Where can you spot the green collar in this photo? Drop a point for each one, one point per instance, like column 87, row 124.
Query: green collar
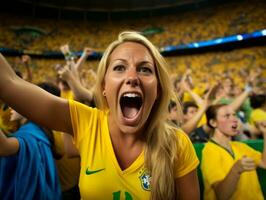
column 230, row 152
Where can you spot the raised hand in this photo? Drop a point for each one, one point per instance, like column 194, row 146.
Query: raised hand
column 245, row 164
column 210, row 95
column 65, row 73
column 25, row 59
column 87, row 51
column 65, row 49
column 184, row 86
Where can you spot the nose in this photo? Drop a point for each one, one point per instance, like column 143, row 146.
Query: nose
column 132, row 78
column 235, row 119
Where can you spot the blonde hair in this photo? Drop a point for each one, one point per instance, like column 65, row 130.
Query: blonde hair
column 161, row 143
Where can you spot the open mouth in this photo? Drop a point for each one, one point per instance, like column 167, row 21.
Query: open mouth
column 130, row 104
column 235, row 128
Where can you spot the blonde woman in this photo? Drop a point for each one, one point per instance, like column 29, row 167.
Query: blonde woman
column 127, row 149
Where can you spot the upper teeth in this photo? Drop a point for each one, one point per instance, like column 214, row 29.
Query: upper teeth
column 131, row 95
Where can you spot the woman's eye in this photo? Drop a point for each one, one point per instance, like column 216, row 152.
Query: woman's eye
column 145, row 70
column 119, row 68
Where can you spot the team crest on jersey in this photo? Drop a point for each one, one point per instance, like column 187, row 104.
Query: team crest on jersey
column 145, row 179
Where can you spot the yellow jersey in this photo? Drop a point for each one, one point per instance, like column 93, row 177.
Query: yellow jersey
column 217, row 162
column 257, row 115
column 101, row 177
column 67, row 94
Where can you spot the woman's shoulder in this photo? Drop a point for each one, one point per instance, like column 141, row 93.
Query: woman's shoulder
column 78, row 107
column 185, row 153
column 182, row 136
column 210, row 147
column 76, row 104
column 240, row 144
column 183, row 141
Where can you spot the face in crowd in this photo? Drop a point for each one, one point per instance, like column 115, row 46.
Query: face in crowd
column 133, row 84
column 130, row 86
column 224, row 120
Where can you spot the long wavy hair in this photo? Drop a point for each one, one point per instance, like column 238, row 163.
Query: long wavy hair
column 161, row 143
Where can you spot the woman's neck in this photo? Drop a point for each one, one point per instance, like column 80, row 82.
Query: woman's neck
column 127, row 146
column 127, row 138
column 222, row 139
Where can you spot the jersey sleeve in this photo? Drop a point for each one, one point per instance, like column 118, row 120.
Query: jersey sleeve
column 187, row 158
column 83, row 119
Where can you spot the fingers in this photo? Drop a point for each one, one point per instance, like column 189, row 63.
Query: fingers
column 88, row 49
column 71, row 64
column 214, row 90
column 184, row 85
column 248, row 164
column 25, row 58
column 63, row 71
column 57, row 67
column 188, row 72
column 64, row 48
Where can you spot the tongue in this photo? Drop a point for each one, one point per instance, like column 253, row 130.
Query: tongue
column 130, row 112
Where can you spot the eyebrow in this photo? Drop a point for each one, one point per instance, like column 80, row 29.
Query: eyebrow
column 141, row 62
column 146, row 62
column 116, row 60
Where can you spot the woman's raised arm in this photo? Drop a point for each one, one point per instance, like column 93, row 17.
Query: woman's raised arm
column 33, row 102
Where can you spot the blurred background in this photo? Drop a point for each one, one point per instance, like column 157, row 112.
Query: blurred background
column 208, row 37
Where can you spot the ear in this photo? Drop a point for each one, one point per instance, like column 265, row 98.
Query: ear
column 103, row 86
column 213, row 123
